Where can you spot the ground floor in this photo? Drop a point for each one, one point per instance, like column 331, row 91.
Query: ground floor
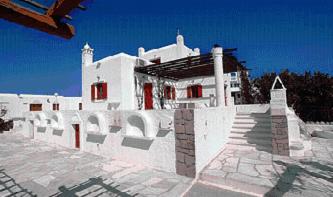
column 32, row 168
column 29, row 167
column 260, row 173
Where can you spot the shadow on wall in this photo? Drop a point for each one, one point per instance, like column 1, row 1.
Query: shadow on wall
column 96, row 138
column 106, row 189
column 135, row 126
column 292, row 173
column 9, row 185
column 41, row 129
column 139, row 143
column 260, row 135
column 58, row 132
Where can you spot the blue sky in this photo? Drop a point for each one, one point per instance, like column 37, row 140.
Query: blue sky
column 271, row 35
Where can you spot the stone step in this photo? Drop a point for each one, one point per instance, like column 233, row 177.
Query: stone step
column 259, row 135
column 251, row 125
column 251, row 120
column 262, row 142
column 252, row 117
column 251, row 129
column 250, row 147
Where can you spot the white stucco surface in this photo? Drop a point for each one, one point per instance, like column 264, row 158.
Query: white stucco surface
column 212, row 128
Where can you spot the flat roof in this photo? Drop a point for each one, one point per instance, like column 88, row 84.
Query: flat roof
column 192, row 66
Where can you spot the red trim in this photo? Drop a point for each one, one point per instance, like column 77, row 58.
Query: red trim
column 199, row 89
column 173, row 93
column 148, row 90
column 105, row 90
column 92, row 90
column 189, row 92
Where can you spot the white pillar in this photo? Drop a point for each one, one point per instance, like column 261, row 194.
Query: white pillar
column 218, row 71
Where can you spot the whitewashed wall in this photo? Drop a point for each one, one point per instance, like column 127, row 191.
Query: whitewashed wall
column 118, row 72
column 253, row 108
column 212, row 128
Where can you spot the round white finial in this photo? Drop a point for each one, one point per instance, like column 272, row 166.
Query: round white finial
column 86, row 46
column 141, row 51
column 180, row 39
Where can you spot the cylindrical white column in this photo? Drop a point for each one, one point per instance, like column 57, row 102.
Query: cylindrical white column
column 218, row 71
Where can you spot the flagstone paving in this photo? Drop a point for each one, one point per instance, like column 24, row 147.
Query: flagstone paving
column 264, row 174
column 32, row 168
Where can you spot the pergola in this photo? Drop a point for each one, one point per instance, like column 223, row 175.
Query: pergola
column 48, row 19
column 192, row 66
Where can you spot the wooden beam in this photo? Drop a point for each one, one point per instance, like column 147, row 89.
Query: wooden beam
column 62, row 7
column 17, row 14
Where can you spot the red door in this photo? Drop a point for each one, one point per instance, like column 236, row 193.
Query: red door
column 148, row 88
column 77, row 136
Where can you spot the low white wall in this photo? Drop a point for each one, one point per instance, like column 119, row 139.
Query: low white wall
column 252, row 108
column 212, row 128
column 63, row 137
column 158, row 152
column 318, row 127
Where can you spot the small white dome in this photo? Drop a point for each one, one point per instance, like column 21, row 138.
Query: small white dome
column 86, row 46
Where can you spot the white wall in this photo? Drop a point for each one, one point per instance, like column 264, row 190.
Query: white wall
column 19, row 104
column 118, row 72
column 170, row 52
column 253, row 108
column 212, row 128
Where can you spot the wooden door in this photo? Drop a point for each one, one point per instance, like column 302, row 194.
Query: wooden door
column 77, row 136
column 148, row 90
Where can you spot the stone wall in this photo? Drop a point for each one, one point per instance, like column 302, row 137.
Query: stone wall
column 185, row 142
column 280, row 141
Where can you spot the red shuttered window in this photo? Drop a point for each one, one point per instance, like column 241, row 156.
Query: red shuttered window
column 189, row 92
column 93, row 92
column 194, row 91
column 99, row 91
column 105, row 91
column 199, row 89
column 167, row 92
column 55, row 106
column 173, row 93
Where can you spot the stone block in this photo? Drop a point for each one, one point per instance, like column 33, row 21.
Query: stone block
column 189, row 127
column 180, row 168
column 179, row 129
column 180, row 157
column 188, row 115
column 189, row 160
column 190, row 171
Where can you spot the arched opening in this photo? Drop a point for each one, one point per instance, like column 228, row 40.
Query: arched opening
column 135, row 126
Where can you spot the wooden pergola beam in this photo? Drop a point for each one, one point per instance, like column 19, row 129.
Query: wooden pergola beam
column 62, row 7
column 15, row 13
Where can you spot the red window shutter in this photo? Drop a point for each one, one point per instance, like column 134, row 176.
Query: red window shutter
column 54, row 107
column 199, row 89
column 189, row 92
column 80, row 106
column 173, row 93
column 105, row 90
column 169, row 92
column 58, row 106
column 92, row 92
column 165, row 92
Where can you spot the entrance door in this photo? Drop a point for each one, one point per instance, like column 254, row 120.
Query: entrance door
column 148, row 89
column 77, row 135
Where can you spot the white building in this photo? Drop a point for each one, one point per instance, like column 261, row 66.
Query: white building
column 168, row 108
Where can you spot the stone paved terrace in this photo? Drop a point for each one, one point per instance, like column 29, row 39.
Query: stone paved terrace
column 262, row 174
column 32, row 168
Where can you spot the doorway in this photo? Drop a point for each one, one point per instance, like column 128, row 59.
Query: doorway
column 148, row 91
column 77, row 135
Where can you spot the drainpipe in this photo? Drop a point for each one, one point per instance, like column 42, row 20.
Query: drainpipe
column 218, row 71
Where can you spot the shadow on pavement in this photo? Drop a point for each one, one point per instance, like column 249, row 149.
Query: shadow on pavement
column 9, row 186
column 292, row 173
column 103, row 189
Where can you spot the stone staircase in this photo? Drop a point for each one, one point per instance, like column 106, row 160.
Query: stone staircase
column 251, row 131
